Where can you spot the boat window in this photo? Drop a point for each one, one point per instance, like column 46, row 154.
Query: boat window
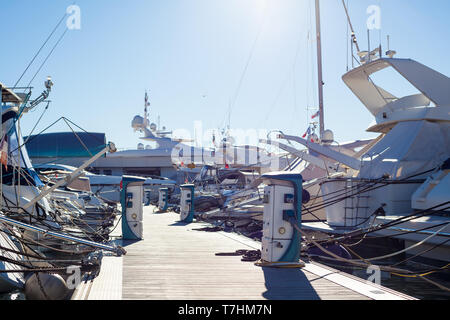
column 94, row 171
column 391, row 81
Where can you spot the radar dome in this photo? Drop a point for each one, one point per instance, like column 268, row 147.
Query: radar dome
column 328, row 137
column 140, row 146
column 138, row 123
column 153, row 127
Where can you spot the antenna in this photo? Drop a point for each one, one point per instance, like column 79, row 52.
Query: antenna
column 147, row 104
column 229, row 116
column 354, row 41
column 390, row 53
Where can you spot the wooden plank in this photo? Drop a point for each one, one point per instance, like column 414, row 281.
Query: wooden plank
column 176, row 262
column 108, row 285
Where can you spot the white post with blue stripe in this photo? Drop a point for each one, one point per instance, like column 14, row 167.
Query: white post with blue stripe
column 147, row 197
column 163, row 202
column 187, row 210
column 131, row 199
column 282, row 212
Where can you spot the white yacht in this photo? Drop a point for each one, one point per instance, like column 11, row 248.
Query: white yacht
column 8, row 281
column 105, row 186
column 313, row 165
column 396, row 185
column 159, row 156
column 399, row 184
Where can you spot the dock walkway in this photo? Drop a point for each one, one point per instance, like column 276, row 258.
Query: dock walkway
column 177, row 262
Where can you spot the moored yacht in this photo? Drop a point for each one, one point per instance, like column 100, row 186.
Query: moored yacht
column 398, row 184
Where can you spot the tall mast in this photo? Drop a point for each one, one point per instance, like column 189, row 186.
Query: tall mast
column 319, row 69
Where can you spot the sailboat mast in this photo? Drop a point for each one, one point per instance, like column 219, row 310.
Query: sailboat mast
column 319, row 69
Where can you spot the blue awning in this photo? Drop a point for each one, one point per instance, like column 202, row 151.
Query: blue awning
column 65, row 145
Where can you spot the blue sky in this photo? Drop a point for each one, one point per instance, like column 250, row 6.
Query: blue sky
column 191, row 56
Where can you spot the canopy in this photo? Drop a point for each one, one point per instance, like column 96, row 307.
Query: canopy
column 66, row 145
column 8, row 96
column 432, row 84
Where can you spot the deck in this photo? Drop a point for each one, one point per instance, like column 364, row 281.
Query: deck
column 177, row 262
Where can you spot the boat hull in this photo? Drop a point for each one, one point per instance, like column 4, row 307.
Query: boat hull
column 9, row 281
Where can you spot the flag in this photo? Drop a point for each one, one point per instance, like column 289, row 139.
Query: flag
column 306, row 133
column 315, row 115
column 4, row 152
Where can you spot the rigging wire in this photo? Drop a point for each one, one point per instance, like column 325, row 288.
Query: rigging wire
column 22, row 172
column 89, row 133
column 366, row 262
column 347, row 43
column 48, row 56
column 369, row 260
column 423, row 252
column 51, row 125
column 247, row 64
column 40, row 49
column 368, row 185
column 291, row 72
column 79, row 139
column 401, row 220
column 37, row 122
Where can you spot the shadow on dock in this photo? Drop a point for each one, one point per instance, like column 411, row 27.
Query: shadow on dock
column 179, row 224
column 159, row 212
column 288, row 284
column 125, row 243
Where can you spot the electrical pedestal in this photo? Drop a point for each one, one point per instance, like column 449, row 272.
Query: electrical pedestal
column 187, row 203
column 282, row 212
column 131, row 199
column 163, row 202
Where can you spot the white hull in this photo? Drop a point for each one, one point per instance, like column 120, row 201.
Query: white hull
column 9, row 281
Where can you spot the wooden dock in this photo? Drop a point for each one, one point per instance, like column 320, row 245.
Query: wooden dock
column 177, row 262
